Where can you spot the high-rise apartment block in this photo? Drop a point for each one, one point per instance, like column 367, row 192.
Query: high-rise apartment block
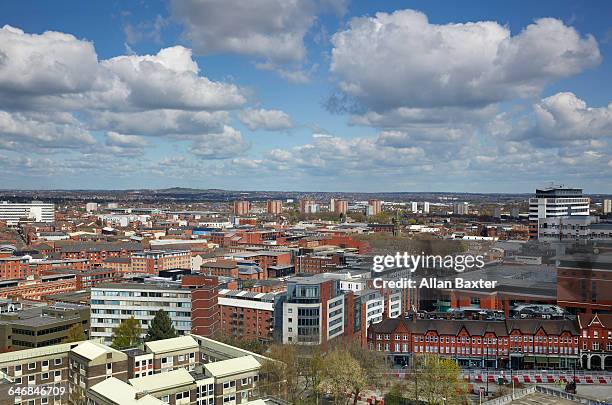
column 374, row 207
column 241, row 208
column 274, row 207
column 308, row 206
column 461, row 208
column 607, row 206
column 341, row 206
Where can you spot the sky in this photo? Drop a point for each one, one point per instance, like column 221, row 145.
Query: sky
column 306, row 95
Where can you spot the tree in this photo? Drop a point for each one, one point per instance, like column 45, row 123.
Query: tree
column 161, row 327
column 75, row 334
column 343, row 374
column 372, row 365
column 282, row 373
column 127, row 334
column 438, row 381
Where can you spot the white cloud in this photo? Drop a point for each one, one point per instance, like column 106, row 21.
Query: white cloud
column 565, row 116
column 402, row 60
column 18, row 129
column 271, row 120
column 160, row 122
column 125, row 141
column 270, row 29
column 224, row 145
column 170, row 80
column 51, row 63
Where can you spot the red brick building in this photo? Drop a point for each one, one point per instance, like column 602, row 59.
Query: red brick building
column 241, row 208
column 524, row 343
column 247, row 315
column 205, row 317
column 274, row 207
column 584, row 283
column 596, row 341
column 38, row 288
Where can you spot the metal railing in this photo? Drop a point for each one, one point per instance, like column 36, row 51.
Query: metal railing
column 568, row 396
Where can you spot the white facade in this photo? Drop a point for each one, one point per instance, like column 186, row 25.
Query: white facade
column 36, row 211
column 112, row 303
column 91, row 207
column 557, row 202
column 607, row 206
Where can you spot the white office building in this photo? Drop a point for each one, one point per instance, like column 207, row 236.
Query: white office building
column 113, row 302
column 556, row 202
column 36, row 211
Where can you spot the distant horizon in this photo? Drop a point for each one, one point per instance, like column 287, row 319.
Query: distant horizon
column 280, row 191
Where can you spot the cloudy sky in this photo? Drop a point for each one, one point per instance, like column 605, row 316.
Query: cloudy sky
column 329, row 95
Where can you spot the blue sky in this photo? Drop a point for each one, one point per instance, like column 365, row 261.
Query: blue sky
column 329, row 95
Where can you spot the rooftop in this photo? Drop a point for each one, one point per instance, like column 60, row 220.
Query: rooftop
column 162, row 381
column 122, row 393
column 173, row 344
column 229, row 367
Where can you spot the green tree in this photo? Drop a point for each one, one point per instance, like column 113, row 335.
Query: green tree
column 161, row 327
column 373, row 367
column 438, row 381
column 343, row 374
column 283, row 373
column 75, row 334
column 127, row 334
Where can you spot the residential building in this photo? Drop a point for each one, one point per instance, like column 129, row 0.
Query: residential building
column 205, row 316
column 152, row 261
column 35, row 211
column 313, row 311
column 341, row 206
column 274, row 207
column 461, row 208
column 554, row 202
column 241, row 208
column 248, row 315
column 308, row 206
column 113, row 302
column 374, row 207
column 607, row 206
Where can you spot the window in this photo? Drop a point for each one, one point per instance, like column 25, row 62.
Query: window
column 31, row 379
column 31, row 366
column 166, row 399
column 45, row 376
column 45, row 363
column 181, row 395
column 18, row 367
column 181, row 357
column 57, row 373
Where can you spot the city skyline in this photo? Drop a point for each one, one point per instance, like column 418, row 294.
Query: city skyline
column 317, row 95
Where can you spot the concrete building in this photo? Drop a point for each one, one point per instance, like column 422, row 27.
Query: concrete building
column 41, row 326
column 91, row 207
column 607, row 206
column 274, row 207
column 461, row 208
column 36, row 211
column 554, row 202
column 113, row 302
